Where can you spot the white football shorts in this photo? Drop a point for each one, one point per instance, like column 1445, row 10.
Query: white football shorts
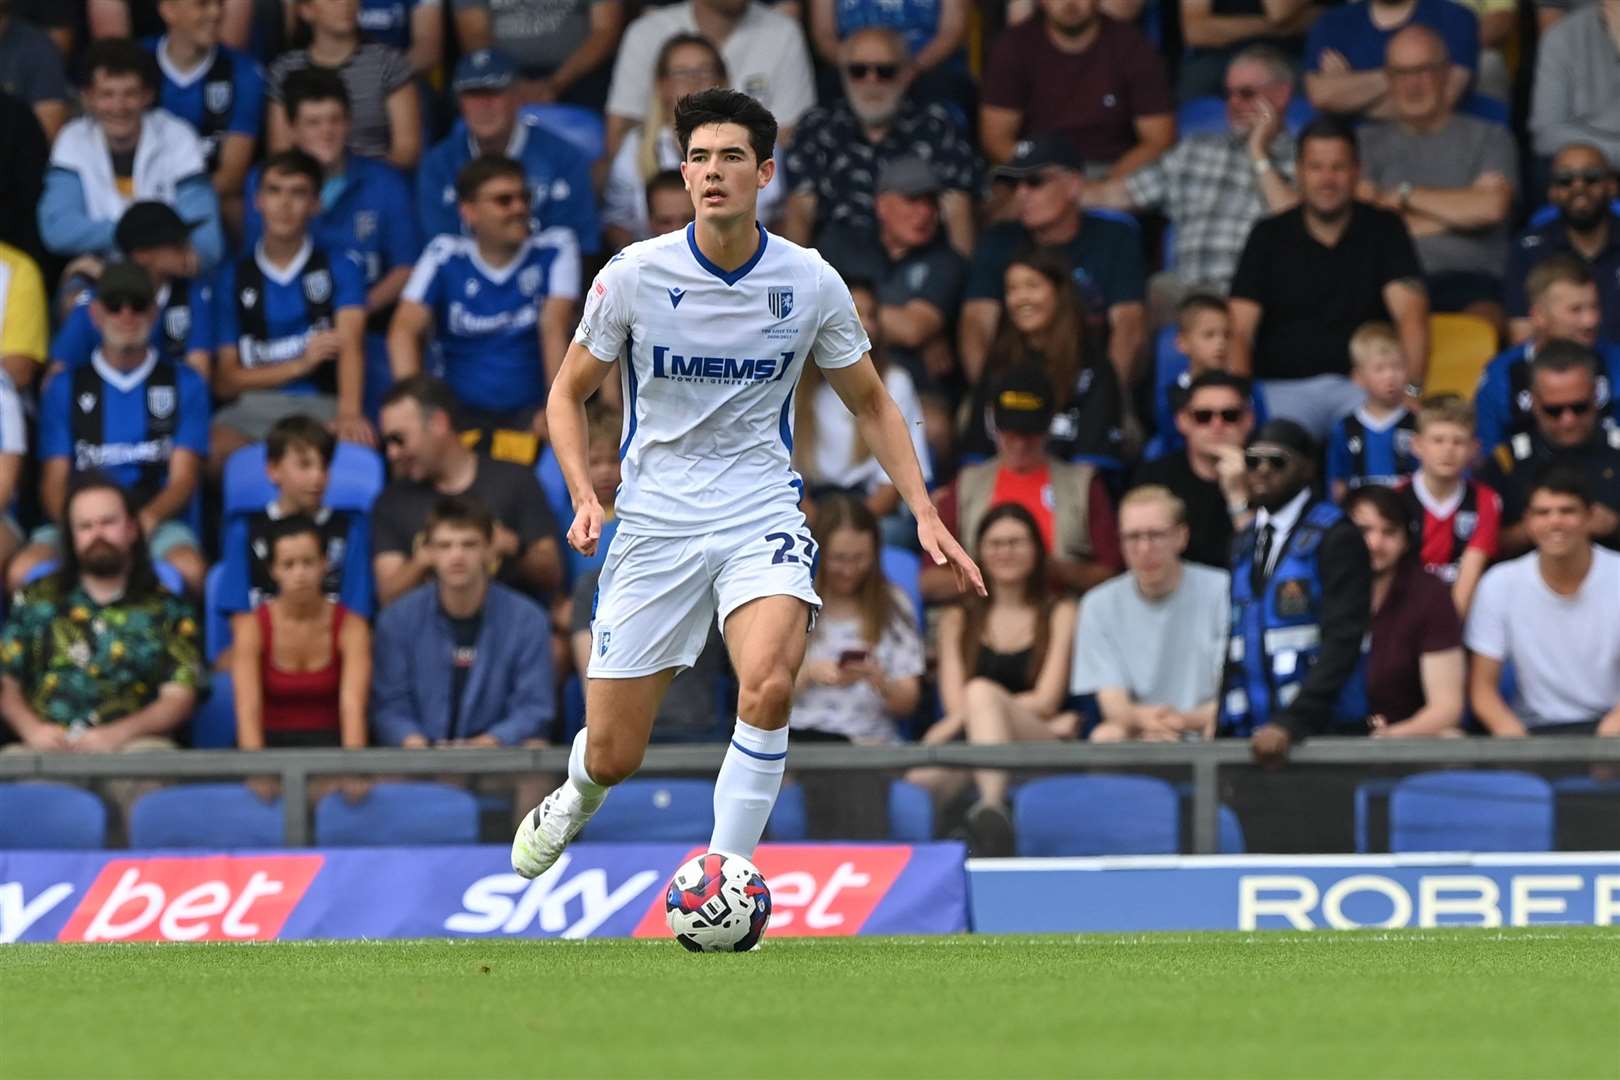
column 657, row 594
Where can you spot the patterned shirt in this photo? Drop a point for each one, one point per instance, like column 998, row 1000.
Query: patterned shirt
column 831, row 158
column 80, row 662
column 1207, row 187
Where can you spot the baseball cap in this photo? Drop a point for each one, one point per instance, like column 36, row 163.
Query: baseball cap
column 1288, row 435
column 908, row 176
column 1023, row 401
column 149, row 225
column 486, row 69
column 125, row 280
column 1041, row 152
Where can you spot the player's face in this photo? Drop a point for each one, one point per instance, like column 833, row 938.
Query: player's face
column 1569, row 311
column 196, row 20
column 1565, row 406
column 1007, row 553
column 301, row 476
column 848, row 556
column 1152, row 541
column 1582, row 186
column 1031, row 299
column 1444, row 449
column 1556, row 523
column 407, row 442
column 117, row 102
column 287, row 202
column 461, row 556
column 1214, row 417
column 297, row 565
column 103, row 534
column 722, row 173
column 499, row 212
column 1386, row 541
column 490, row 114
column 1327, row 175
column 321, row 130
column 668, row 209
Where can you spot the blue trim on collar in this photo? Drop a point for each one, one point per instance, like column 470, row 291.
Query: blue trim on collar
column 730, row 277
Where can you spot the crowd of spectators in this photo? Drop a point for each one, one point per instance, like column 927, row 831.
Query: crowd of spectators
column 1163, row 290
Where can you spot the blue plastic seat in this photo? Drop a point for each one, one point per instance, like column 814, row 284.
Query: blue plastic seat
column 1096, row 815
column 649, row 811
column 415, row 812
column 214, row 816
column 548, row 470
column 167, row 575
column 44, row 815
column 1453, row 810
column 903, row 569
column 216, row 620
column 353, row 483
column 911, row 813
column 790, row 818
column 213, row 725
column 1230, row 839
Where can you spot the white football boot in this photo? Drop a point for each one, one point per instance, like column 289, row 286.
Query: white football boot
column 549, row 828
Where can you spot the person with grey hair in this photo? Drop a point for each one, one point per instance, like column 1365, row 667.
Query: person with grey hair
column 839, row 149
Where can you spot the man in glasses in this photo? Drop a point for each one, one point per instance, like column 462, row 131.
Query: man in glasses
column 1451, row 177
column 501, row 304
column 1581, row 186
column 1301, row 588
column 1567, row 432
column 1207, row 475
column 1344, row 54
column 840, row 150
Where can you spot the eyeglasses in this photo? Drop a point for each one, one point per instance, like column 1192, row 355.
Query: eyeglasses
column 880, row 72
column 509, row 198
column 1589, row 177
column 1205, row 417
column 1574, row 408
column 1242, row 93
column 1276, row 460
column 118, row 303
column 1146, row 536
column 1418, row 69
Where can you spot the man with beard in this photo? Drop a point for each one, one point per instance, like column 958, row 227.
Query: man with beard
column 1076, row 73
column 1344, row 54
column 840, row 149
column 1308, row 277
column 1581, row 185
column 98, row 656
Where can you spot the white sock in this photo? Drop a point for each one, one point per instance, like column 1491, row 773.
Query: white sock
column 745, row 791
column 588, row 789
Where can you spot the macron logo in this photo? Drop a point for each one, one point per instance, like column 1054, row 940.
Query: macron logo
column 675, row 297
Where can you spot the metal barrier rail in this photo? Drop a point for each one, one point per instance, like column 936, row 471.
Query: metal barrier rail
column 1203, row 759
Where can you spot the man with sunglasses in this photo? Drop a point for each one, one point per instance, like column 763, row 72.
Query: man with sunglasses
column 1581, row 186
column 840, row 149
column 1301, row 588
column 500, row 303
column 1567, row 432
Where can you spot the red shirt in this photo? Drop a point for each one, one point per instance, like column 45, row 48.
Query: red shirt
column 1470, row 519
column 300, row 700
column 1033, row 491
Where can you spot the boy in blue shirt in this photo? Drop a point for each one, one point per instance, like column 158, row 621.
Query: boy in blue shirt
column 501, row 304
column 1373, row 445
column 290, row 316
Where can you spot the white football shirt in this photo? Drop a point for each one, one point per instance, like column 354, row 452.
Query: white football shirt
column 712, row 360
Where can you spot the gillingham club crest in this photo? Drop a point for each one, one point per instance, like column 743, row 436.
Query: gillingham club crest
column 779, row 298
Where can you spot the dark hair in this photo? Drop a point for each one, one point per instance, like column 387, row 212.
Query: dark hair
column 481, row 170
column 665, row 180
column 295, row 162
column 430, row 394
column 310, row 85
column 295, row 525
column 1331, row 128
column 1220, row 380
column 1037, row 592
column 1068, row 348
column 461, row 512
column 1195, row 303
column 1561, row 480
column 661, row 67
column 1559, row 356
column 875, row 596
column 719, row 106
column 120, row 56
column 299, row 430
column 1389, row 506
column 860, row 281
column 143, row 580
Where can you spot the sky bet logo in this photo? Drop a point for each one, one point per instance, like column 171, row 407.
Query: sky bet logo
column 719, row 369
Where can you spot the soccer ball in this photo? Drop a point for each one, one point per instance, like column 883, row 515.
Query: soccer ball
column 718, row 903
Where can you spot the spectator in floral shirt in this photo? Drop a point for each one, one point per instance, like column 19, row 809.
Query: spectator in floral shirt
column 98, row 656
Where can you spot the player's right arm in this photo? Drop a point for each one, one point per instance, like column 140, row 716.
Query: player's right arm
column 582, row 373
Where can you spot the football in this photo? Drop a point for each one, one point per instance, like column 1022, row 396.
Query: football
column 718, row 903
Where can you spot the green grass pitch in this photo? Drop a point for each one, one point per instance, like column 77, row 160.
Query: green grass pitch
column 1429, row 1004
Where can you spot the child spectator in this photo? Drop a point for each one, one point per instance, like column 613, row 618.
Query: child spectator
column 301, row 663
column 605, row 430
column 1456, row 518
column 298, row 459
column 1203, row 339
column 1373, row 445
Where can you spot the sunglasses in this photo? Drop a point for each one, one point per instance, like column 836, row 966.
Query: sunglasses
column 1205, row 417
column 510, row 198
column 118, row 303
column 1032, row 180
column 880, row 72
column 1589, row 177
column 1242, row 93
column 1574, row 408
column 1276, row 460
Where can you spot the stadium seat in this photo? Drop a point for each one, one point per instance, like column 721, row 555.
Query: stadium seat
column 39, row 814
column 205, row 816
column 355, row 480
column 167, row 575
column 1229, row 840
column 1459, row 348
column 216, row 621
column 911, row 813
column 670, row 811
column 903, row 569
column 405, row 813
column 1546, row 215
column 1096, row 815
column 1453, row 810
column 1366, row 792
column 581, row 126
column 1201, row 116
column 790, row 817
column 213, row 725
column 549, row 472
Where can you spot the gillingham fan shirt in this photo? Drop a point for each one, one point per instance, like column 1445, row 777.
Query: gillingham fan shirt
column 285, row 301
column 223, row 95
column 714, row 357
column 487, row 319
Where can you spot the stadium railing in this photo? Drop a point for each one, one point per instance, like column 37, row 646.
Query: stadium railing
column 1204, row 761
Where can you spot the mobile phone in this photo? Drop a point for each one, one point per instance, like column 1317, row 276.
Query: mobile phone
column 852, row 656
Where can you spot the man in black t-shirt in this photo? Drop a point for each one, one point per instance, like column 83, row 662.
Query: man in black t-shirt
column 1208, row 476
column 428, row 461
column 1308, row 277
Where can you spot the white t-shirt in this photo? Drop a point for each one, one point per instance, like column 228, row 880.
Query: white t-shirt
column 714, row 358
column 856, row 711
column 624, row 199
column 1565, row 650
column 1161, row 652
column 834, row 462
column 766, row 58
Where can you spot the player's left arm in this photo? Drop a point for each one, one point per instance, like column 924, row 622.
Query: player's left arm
column 880, row 423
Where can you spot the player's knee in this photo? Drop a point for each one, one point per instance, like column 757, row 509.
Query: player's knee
column 612, row 762
column 766, row 700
